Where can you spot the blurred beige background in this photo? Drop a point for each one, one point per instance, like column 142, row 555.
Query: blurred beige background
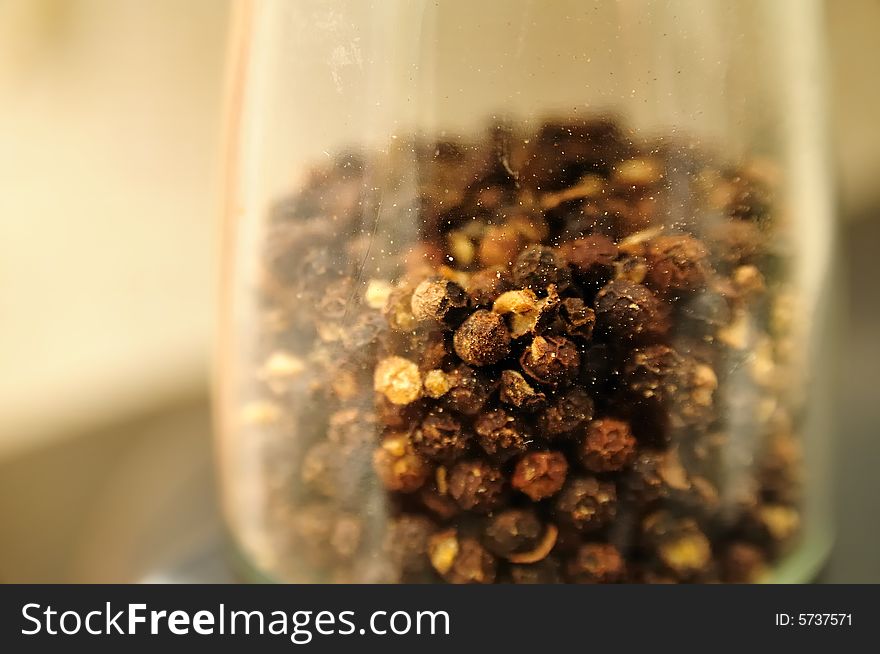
column 110, row 131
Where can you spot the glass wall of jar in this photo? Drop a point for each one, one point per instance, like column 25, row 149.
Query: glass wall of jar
column 525, row 291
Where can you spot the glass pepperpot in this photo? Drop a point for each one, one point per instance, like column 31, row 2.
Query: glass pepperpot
column 525, row 292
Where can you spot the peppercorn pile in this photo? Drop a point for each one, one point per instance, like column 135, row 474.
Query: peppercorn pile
column 554, row 356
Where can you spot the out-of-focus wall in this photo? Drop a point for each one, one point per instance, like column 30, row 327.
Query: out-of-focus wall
column 109, row 130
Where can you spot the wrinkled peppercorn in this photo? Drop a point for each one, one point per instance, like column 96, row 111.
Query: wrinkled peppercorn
column 571, row 411
column 461, row 560
column 592, row 258
column 470, row 390
column 476, row 485
column 486, row 285
column 482, row 339
column 540, row 474
column 440, row 437
column 551, row 360
column 398, row 379
column 679, row 543
column 398, row 466
column 676, row 263
column 517, row 392
column 577, row 318
column 439, row 300
column 631, row 312
column 586, row 503
column 406, row 545
column 499, row 435
column 596, row 563
column 537, row 267
column 514, row 531
column 607, row 446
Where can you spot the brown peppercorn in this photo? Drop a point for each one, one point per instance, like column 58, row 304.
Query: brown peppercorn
column 654, row 475
column 659, row 376
column 476, row 485
column 499, row 245
column 630, row 312
column 679, row 543
column 586, row 503
column 540, row 474
column 439, row 300
column 486, row 285
column 551, row 360
column 461, row 560
column 398, row 466
column 435, row 497
column 676, row 263
column 398, row 379
column 440, row 437
column 546, row 571
column 513, row 531
column 608, row 446
column 482, row 339
column 743, row 563
column 537, row 267
column 592, row 259
column 596, row 563
column 517, row 392
column 500, row 435
column 406, row 545
column 571, row 411
column 470, row 390
column 577, row 318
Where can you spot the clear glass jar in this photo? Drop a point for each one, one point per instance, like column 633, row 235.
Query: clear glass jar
column 525, row 291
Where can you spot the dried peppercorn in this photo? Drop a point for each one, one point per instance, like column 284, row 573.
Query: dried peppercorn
column 608, row 446
column 540, row 474
column 630, row 312
column 592, row 258
column 398, row 310
column 500, row 435
column 537, row 267
column 571, row 411
column 676, row 263
column 486, row 285
column 654, row 475
column 577, row 318
column 513, row 531
column 551, row 360
column 596, row 563
column 470, row 390
column 743, row 563
column 546, row 571
column 482, row 339
column 440, row 437
column 398, row 379
column 499, row 246
column 398, row 466
column 406, row 545
column 476, row 485
column 461, row 560
column 586, row 503
column 517, row 392
column 679, row 544
column 439, row 300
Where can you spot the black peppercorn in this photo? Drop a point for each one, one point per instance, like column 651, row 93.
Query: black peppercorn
column 592, row 259
column 540, row 474
column 537, row 267
column 469, row 391
column 571, row 411
column 586, row 503
column 676, row 263
column 513, row 531
column 406, row 545
column 439, row 300
column 630, row 312
column 398, row 466
column 440, row 437
column 577, row 318
column 608, row 446
column 461, row 560
column 499, row 434
column 482, row 339
column 486, row 285
column 476, row 485
column 596, row 563
column 517, row 392
column 551, row 360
